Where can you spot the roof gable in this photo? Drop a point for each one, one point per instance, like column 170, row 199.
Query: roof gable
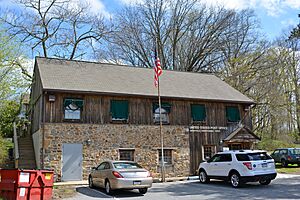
column 242, row 133
column 80, row 76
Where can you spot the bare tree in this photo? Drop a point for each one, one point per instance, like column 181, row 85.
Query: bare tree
column 55, row 28
column 189, row 36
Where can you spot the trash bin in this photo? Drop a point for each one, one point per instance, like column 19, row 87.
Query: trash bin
column 22, row 184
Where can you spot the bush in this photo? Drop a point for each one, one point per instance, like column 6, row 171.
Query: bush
column 4, row 146
column 270, row 145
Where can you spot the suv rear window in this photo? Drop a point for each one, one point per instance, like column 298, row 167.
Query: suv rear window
column 295, row 151
column 253, row 156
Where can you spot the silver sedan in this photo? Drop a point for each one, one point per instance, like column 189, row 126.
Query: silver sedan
column 113, row 175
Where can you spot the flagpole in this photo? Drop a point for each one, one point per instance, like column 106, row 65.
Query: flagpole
column 158, row 71
column 160, row 123
column 161, row 136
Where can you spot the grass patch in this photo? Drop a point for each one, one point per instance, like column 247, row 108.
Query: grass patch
column 60, row 192
column 290, row 169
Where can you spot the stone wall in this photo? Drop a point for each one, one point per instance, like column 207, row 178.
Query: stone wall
column 105, row 141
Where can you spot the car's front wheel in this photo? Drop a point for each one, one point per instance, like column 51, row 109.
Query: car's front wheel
column 143, row 190
column 203, row 177
column 235, row 180
column 265, row 181
column 107, row 187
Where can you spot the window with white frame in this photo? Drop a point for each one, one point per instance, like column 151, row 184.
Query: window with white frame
column 126, row 154
column 168, row 158
column 209, row 151
column 164, row 114
column 72, row 109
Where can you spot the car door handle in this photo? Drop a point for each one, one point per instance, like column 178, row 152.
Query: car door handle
column 228, row 164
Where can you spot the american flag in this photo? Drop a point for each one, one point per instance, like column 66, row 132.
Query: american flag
column 157, row 69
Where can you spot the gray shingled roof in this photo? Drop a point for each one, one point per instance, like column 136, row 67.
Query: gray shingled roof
column 83, row 76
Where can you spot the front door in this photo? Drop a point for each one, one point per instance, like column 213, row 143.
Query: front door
column 72, row 162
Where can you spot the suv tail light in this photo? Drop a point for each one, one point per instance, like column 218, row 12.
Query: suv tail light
column 248, row 165
column 289, row 158
column 117, row 174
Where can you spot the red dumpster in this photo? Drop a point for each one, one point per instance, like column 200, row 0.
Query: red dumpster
column 21, row 184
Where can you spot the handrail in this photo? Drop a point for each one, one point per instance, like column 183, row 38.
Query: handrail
column 16, row 146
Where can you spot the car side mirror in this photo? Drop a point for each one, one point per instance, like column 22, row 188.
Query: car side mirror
column 94, row 168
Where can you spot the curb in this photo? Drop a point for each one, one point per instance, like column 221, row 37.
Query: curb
column 155, row 180
column 158, row 180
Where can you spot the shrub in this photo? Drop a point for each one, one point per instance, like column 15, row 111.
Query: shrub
column 270, row 145
column 4, row 146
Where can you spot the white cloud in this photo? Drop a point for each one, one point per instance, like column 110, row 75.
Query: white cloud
column 232, row 4
column 272, row 7
column 295, row 4
column 129, row 2
column 289, row 22
column 96, row 6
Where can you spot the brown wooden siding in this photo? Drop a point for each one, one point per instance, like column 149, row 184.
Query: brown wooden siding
column 197, row 139
column 36, row 100
column 96, row 110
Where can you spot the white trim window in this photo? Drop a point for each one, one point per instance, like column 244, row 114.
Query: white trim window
column 208, row 151
column 72, row 109
column 126, row 154
column 168, row 156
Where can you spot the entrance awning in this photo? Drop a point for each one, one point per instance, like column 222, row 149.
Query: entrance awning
column 242, row 134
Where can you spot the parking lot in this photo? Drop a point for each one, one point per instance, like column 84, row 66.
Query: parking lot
column 283, row 187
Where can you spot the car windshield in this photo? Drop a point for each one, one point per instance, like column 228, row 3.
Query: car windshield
column 295, row 151
column 253, row 156
column 126, row 165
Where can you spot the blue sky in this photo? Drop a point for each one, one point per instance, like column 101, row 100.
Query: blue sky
column 275, row 15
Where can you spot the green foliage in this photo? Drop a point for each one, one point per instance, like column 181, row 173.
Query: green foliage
column 12, row 80
column 8, row 112
column 271, row 145
column 4, row 146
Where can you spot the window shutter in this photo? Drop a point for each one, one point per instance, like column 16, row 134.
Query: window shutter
column 233, row 114
column 119, row 109
column 198, row 112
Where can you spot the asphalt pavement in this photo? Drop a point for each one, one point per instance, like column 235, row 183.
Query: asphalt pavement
column 283, row 187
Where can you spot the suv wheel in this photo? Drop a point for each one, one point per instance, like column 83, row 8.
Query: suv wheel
column 203, row 177
column 265, row 181
column 284, row 163
column 235, row 180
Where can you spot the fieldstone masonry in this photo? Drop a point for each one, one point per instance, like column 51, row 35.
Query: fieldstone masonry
column 105, row 141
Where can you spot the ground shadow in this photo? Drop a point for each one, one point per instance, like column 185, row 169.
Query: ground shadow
column 95, row 192
column 100, row 193
column 288, row 189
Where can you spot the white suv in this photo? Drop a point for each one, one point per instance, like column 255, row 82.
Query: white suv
column 239, row 167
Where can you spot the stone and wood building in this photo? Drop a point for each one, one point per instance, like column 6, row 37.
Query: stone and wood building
column 84, row 112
